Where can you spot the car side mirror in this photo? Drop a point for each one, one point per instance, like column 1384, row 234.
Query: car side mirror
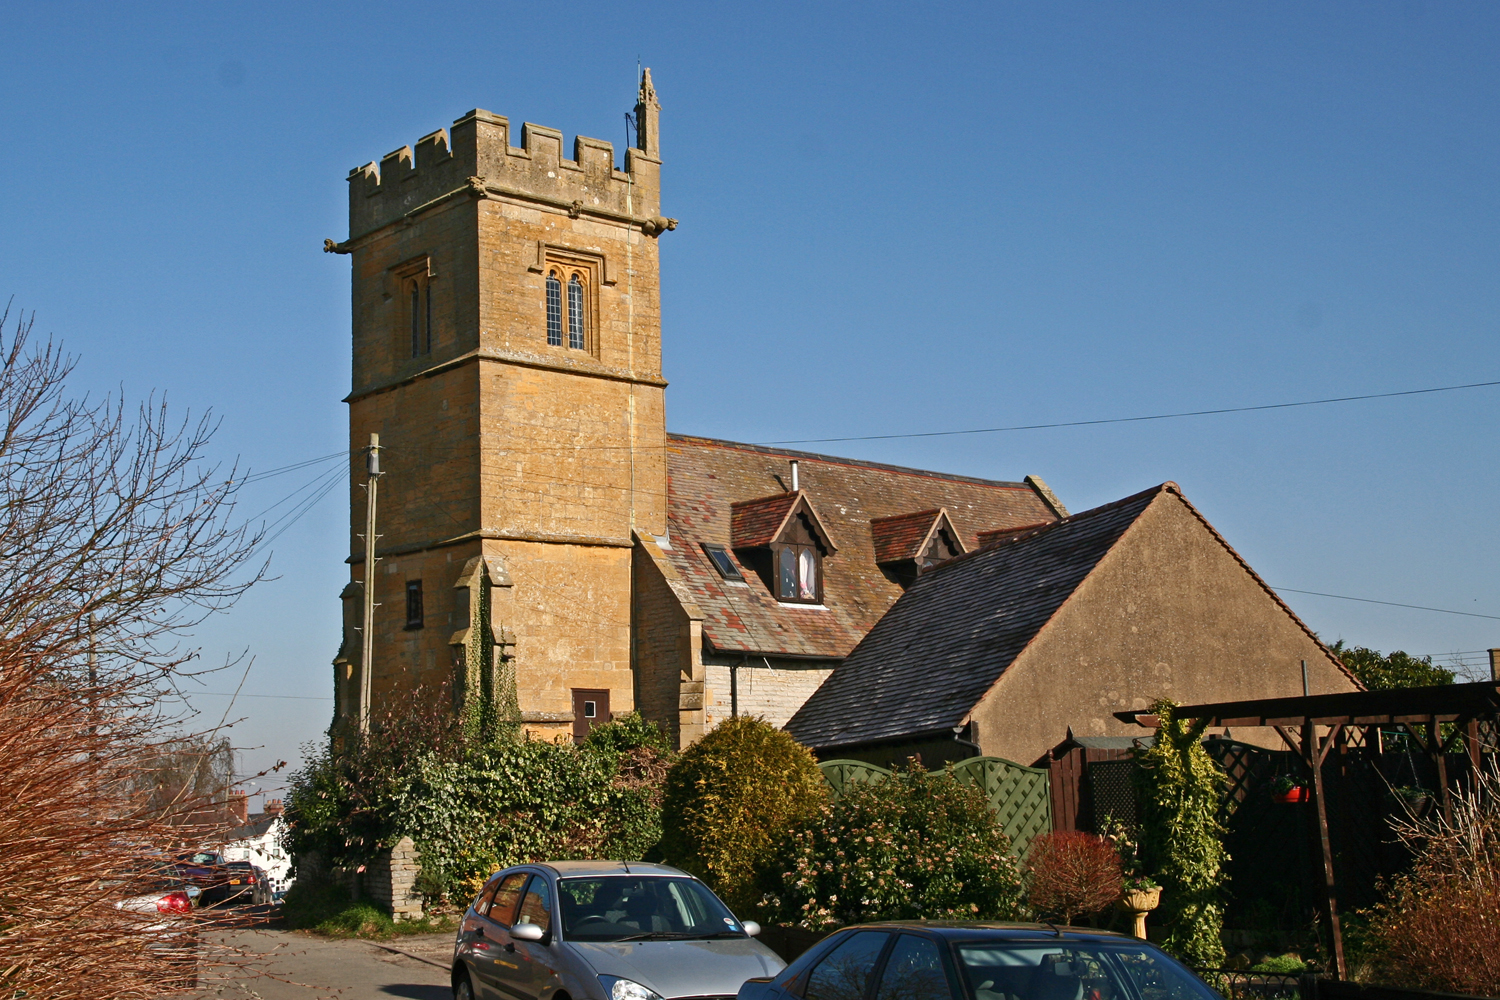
column 752, row 929
column 527, row 932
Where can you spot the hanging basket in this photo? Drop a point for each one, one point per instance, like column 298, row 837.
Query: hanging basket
column 1292, row 796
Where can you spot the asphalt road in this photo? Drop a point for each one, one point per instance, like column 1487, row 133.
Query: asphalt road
column 297, row 966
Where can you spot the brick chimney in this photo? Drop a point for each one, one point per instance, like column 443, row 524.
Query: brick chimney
column 239, row 806
column 274, row 807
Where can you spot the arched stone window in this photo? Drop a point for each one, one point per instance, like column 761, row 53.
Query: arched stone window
column 554, row 309
column 576, row 313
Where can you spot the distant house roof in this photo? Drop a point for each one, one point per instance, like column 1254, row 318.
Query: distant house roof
column 725, row 493
column 946, row 642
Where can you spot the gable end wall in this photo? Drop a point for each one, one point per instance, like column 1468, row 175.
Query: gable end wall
column 1168, row 612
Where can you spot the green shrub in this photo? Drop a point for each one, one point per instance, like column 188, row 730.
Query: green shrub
column 729, row 798
column 472, row 807
column 1285, row 965
column 911, row 846
column 1182, row 838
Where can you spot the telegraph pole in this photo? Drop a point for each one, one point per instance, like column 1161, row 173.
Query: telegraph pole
column 367, row 653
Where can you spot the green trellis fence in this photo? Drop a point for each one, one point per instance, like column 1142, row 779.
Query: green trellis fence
column 1019, row 795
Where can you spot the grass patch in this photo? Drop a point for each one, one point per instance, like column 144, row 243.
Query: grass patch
column 327, row 909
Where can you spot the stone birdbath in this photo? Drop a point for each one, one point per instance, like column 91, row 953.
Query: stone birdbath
column 1138, row 903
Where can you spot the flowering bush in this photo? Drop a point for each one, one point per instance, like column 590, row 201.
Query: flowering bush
column 1073, row 873
column 909, row 846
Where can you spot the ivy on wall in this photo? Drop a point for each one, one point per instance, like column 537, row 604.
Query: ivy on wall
column 475, row 806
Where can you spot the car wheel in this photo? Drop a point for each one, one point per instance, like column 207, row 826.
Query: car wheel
column 463, row 989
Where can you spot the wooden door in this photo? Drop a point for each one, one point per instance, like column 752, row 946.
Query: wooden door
column 590, row 709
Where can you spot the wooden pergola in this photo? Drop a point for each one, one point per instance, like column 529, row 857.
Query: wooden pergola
column 1313, row 724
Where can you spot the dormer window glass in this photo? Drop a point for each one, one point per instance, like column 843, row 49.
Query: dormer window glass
column 799, row 576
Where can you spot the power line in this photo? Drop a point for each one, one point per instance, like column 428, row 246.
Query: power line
column 283, row 470
column 1390, row 604
column 1127, row 420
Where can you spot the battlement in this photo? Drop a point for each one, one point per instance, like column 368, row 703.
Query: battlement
column 477, row 160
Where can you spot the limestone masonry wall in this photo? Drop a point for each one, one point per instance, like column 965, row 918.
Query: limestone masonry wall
column 479, row 147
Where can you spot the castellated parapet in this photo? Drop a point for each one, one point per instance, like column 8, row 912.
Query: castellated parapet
column 479, row 160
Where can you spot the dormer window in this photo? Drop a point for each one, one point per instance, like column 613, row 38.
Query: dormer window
column 784, row 541
column 907, row 544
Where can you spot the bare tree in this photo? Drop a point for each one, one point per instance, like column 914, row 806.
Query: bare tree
column 117, row 537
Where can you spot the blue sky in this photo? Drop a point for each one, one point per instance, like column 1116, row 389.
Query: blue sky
column 895, row 218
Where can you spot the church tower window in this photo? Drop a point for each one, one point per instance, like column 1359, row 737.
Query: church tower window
column 554, row 309
column 413, row 313
column 575, row 313
column 419, row 296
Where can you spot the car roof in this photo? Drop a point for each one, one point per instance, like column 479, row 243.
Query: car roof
column 956, row 930
column 570, row 869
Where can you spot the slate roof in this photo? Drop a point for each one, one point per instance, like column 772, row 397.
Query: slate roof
column 972, row 616
column 707, row 476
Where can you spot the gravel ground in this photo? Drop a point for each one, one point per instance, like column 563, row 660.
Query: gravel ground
column 299, row 966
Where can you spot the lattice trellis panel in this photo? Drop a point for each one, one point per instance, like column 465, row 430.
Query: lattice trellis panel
column 1019, row 795
column 841, row 774
column 1112, row 789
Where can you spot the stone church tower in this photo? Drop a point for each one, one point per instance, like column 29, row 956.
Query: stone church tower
column 507, row 351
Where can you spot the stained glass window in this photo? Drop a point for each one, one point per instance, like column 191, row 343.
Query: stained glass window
column 554, row 310
column 575, row 313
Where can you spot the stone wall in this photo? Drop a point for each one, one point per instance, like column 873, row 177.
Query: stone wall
column 389, row 881
column 774, row 691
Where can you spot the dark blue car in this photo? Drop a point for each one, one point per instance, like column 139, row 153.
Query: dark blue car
column 959, row 961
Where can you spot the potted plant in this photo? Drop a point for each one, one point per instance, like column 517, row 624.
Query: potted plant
column 1289, row 790
column 1413, row 800
column 1139, row 892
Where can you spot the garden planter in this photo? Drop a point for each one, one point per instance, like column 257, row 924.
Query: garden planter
column 1138, row 903
column 1292, row 796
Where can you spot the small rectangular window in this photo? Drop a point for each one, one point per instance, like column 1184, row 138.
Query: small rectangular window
column 413, row 603
column 719, row 556
column 591, row 710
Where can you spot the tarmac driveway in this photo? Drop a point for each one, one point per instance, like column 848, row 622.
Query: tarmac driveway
column 303, row 967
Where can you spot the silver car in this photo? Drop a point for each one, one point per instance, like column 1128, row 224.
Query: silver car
column 603, row 930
